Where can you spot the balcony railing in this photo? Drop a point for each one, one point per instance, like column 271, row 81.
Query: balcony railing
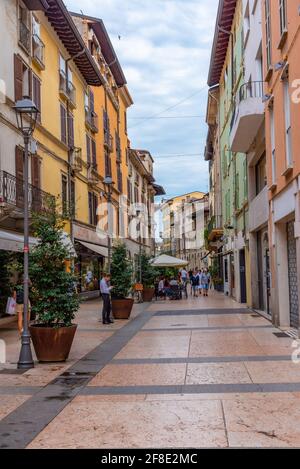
column 252, row 89
column 214, row 227
column 91, row 120
column 24, row 36
column 76, row 160
column 38, row 49
column 93, row 176
column 12, row 195
column 108, row 141
column 66, row 88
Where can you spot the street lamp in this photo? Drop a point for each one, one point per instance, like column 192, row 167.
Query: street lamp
column 108, row 183
column 26, row 114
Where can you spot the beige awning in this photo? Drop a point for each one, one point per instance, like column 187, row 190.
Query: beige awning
column 102, row 250
column 168, row 261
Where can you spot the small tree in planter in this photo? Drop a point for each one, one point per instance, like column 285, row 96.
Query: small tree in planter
column 149, row 275
column 121, row 280
column 55, row 300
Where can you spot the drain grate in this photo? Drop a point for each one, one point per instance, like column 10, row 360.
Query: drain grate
column 77, row 374
column 280, row 335
column 255, row 316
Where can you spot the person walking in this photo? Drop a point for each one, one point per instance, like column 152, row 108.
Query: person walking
column 18, row 295
column 105, row 290
column 205, row 279
column 194, row 279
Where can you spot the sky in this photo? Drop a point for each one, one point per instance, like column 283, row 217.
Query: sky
column 164, row 49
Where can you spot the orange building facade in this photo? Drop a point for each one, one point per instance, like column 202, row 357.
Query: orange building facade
column 281, row 46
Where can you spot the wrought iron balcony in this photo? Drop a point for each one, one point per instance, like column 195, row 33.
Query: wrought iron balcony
column 67, row 89
column 76, row 160
column 91, row 120
column 252, row 89
column 24, row 36
column 12, row 196
column 38, row 51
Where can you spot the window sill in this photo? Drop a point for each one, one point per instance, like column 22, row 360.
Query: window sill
column 269, row 74
column 287, row 171
column 282, row 40
column 273, row 187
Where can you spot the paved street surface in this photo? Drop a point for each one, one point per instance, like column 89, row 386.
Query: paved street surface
column 198, row 373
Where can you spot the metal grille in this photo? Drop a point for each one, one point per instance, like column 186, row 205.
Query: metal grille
column 293, row 278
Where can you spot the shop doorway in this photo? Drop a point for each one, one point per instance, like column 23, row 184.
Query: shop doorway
column 293, row 276
column 243, row 285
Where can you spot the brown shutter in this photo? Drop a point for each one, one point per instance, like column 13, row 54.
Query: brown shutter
column 92, row 101
column 63, row 127
column 70, row 130
column 18, row 66
column 30, row 82
column 35, row 171
column 36, row 94
column 94, row 156
column 88, row 149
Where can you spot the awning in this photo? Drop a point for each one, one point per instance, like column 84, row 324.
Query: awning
column 102, row 250
column 14, row 242
column 168, row 261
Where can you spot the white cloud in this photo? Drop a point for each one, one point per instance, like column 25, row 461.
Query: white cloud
column 164, row 51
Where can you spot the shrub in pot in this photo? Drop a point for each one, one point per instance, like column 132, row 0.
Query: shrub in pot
column 54, row 297
column 149, row 275
column 121, row 280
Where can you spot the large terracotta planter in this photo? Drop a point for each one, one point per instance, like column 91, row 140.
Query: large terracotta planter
column 148, row 294
column 52, row 344
column 122, row 308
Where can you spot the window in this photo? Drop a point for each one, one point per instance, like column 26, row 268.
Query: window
column 23, row 79
column 129, row 191
column 227, row 205
column 36, row 94
column 237, row 191
column 245, row 179
column 107, row 164
column 287, row 116
column 63, row 124
column 24, row 28
column 94, row 154
column 64, row 193
column 125, row 120
column 71, row 142
column 261, row 174
column 93, row 205
column 282, row 13
column 120, row 181
column 268, row 33
column 273, row 148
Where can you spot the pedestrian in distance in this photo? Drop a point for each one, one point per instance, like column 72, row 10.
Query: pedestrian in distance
column 205, row 280
column 18, row 295
column 105, row 290
column 195, row 284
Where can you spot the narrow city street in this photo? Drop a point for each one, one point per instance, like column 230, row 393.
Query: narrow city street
column 202, row 372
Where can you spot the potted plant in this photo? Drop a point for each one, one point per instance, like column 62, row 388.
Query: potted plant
column 121, row 280
column 149, row 275
column 54, row 297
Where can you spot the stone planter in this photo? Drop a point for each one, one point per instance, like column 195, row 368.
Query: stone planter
column 52, row 344
column 122, row 308
column 148, row 294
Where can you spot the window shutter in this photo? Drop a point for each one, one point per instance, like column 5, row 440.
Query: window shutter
column 36, row 95
column 35, row 171
column 92, row 101
column 63, row 127
column 18, row 70
column 30, row 75
column 88, row 149
column 19, row 163
column 70, row 130
column 94, row 156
